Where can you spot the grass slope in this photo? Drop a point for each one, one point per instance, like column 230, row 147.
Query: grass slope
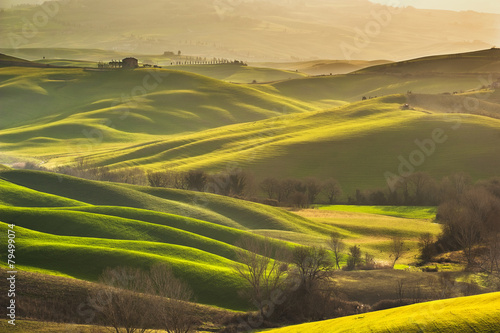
column 85, row 258
column 323, row 67
column 397, row 211
column 60, row 104
column 240, row 74
column 76, row 228
column 203, row 206
column 357, row 144
column 464, row 314
column 484, row 61
column 374, row 232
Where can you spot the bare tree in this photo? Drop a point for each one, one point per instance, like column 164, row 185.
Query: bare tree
column 466, row 220
column 313, row 264
column 179, row 181
column 286, row 188
column 263, row 274
column 332, row 190
column 270, row 186
column 337, row 247
column 400, row 290
column 119, row 304
column 172, row 308
column 196, row 180
column 299, row 200
column 421, row 188
column 313, row 189
column 135, row 301
column 158, row 179
column 454, row 186
column 397, row 249
column 238, row 182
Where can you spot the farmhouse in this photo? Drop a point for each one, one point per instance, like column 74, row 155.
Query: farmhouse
column 130, row 63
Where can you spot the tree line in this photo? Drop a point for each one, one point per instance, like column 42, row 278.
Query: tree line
column 471, row 223
column 418, row 189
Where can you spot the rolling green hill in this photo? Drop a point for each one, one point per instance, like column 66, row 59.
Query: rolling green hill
column 184, row 121
column 62, row 103
column 112, row 225
column 76, row 228
column 240, row 74
column 356, row 144
column 464, row 314
column 59, row 235
column 323, row 67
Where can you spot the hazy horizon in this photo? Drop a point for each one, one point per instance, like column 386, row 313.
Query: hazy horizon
column 254, row 30
column 481, row 6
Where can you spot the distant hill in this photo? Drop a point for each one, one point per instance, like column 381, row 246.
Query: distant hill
column 258, row 31
column 241, row 74
column 484, row 61
column 324, row 67
column 6, row 60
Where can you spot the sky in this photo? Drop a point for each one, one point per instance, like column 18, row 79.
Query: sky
column 486, row 6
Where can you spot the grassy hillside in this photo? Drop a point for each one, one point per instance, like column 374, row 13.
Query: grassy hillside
column 7, row 61
column 356, row 144
column 67, row 63
column 323, row 67
column 397, row 211
column 76, row 228
column 86, row 257
column 485, row 61
column 353, row 87
column 185, row 121
column 62, row 103
column 484, row 102
column 373, row 231
column 464, row 314
column 240, row 74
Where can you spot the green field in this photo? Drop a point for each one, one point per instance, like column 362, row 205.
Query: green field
column 397, row 211
column 374, row 231
column 464, row 314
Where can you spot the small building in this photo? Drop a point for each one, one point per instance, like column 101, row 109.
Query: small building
column 130, row 63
